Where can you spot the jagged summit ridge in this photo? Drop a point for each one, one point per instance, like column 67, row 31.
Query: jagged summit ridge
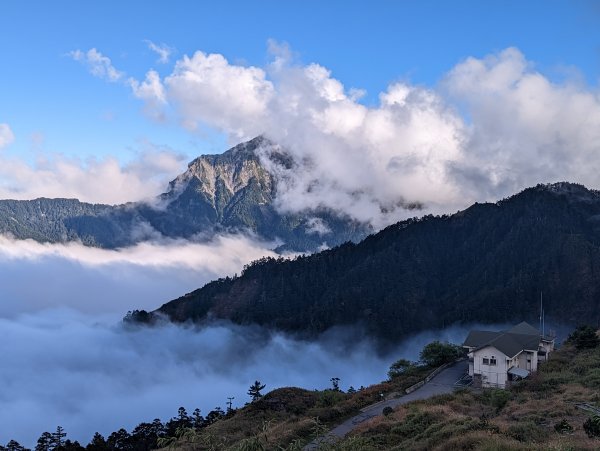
column 217, row 176
column 232, row 192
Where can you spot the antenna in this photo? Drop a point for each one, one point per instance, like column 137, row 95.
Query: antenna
column 541, row 313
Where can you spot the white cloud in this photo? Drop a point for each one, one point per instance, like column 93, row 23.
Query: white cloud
column 89, row 375
column 95, row 280
column 162, row 50
column 6, row 135
column 524, row 129
column 493, row 126
column 93, row 180
column 207, row 89
column 360, row 160
column 99, row 65
column 152, row 92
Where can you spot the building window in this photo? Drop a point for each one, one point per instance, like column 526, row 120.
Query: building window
column 486, row 361
column 493, row 361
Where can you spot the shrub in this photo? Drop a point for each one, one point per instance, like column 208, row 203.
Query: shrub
column 329, row 398
column 592, row 426
column 387, row 411
column 401, row 367
column 437, row 353
column 584, row 337
column 526, row 431
column 415, row 423
column 496, row 398
column 563, row 427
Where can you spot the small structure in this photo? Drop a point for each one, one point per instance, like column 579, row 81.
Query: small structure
column 496, row 359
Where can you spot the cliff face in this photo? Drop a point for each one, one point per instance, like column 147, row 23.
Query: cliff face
column 232, row 191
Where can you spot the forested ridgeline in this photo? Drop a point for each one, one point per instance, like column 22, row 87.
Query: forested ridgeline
column 487, row 263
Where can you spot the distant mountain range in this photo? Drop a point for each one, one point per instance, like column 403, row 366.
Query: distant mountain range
column 488, row 263
column 227, row 192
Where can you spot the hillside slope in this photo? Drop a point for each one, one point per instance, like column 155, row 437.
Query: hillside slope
column 487, row 263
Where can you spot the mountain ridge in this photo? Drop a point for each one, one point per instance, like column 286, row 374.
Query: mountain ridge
column 229, row 192
column 487, row 263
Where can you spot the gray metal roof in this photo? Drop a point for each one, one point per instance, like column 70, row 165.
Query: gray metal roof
column 524, row 329
column 522, row 373
column 509, row 342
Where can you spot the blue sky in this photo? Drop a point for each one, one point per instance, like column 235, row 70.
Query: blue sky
column 365, row 45
column 68, row 124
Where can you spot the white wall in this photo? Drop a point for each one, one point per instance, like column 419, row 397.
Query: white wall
column 491, row 375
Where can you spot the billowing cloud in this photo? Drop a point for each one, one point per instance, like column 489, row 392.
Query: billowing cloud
column 525, row 129
column 492, row 127
column 207, row 89
column 103, row 180
column 95, row 280
column 152, row 92
column 98, row 64
column 6, row 135
column 88, row 375
column 162, row 50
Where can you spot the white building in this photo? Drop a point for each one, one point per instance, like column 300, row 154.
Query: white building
column 498, row 358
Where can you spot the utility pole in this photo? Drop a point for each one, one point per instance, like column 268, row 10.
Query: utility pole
column 230, row 403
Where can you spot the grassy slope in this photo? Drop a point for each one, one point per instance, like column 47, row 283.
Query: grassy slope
column 469, row 420
column 519, row 419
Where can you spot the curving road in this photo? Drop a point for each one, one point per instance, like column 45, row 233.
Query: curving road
column 439, row 385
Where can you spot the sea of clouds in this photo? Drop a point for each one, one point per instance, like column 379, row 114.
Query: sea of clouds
column 68, row 360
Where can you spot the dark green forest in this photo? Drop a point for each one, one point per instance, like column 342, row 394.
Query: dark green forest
column 145, row 436
column 487, row 263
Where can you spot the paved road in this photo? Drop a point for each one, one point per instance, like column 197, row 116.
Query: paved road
column 440, row 384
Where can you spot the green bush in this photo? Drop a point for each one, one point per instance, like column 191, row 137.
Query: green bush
column 401, row 367
column 437, row 353
column 496, row 398
column 526, row 431
column 584, row 337
column 592, row 426
column 415, row 423
column 563, row 427
column 387, row 411
column 329, row 398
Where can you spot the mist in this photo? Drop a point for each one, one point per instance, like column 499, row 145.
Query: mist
column 68, row 359
column 35, row 276
column 88, row 373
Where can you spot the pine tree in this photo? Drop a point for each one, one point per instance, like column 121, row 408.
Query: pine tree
column 57, row 437
column 254, row 391
column 98, row 443
column 44, row 443
column 13, row 445
column 197, row 419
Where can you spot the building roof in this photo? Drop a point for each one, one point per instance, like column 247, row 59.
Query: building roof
column 522, row 373
column 524, row 329
column 518, row 338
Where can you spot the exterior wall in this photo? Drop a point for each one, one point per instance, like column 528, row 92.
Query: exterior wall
column 491, row 375
column 528, row 360
column 547, row 346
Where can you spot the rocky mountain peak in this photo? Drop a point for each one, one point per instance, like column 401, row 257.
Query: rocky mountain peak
column 226, row 174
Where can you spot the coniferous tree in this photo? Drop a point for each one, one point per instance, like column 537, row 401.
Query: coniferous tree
column 197, row 419
column 57, row 438
column 44, row 443
column 13, row 445
column 98, row 443
column 254, row 390
column 119, row 440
